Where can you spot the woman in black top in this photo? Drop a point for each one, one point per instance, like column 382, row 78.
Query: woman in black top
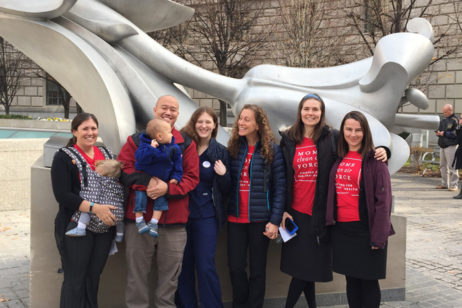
column 84, row 257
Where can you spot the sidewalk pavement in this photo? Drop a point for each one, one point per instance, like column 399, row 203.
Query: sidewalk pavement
column 434, row 241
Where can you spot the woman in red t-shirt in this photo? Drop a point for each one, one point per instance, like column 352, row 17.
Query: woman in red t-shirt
column 359, row 201
column 309, row 148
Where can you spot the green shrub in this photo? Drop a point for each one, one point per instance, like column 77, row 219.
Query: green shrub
column 15, row 116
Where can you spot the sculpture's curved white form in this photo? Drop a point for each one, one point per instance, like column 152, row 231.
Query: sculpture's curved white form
column 79, row 68
column 119, row 71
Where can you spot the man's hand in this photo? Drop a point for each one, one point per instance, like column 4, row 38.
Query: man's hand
column 156, row 188
column 439, row 133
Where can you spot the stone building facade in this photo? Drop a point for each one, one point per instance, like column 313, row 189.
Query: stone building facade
column 442, row 82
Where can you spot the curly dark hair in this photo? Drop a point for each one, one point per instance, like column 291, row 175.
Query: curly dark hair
column 190, row 127
column 265, row 134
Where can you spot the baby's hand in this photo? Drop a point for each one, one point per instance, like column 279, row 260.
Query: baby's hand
column 173, row 181
column 154, row 143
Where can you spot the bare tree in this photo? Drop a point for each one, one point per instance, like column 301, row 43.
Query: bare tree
column 11, row 73
column 63, row 96
column 373, row 19
column 223, row 33
column 306, row 41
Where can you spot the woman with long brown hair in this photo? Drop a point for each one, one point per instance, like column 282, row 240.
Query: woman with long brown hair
column 309, row 148
column 206, row 214
column 255, row 205
column 359, row 206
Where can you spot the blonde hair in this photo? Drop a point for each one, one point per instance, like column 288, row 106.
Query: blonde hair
column 110, row 167
column 156, row 126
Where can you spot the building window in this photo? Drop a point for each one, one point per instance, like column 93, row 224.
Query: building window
column 53, row 97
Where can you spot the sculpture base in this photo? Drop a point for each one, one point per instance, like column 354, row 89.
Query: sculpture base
column 45, row 283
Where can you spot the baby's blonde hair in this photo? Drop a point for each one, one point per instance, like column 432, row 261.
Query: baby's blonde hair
column 156, row 126
column 110, row 167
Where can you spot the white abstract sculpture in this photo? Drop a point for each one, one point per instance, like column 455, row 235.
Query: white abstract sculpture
column 99, row 51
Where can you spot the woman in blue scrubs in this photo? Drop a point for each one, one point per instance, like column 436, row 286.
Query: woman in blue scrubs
column 207, row 214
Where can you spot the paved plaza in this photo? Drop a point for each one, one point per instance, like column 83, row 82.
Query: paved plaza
column 434, row 241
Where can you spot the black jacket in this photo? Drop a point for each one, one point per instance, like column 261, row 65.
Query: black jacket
column 326, row 155
column 267, row 185
column 449, row 126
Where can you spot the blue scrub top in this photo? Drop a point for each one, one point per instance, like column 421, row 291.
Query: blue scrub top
column 200, row 199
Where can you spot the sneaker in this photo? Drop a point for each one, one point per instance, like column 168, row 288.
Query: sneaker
column 142, row 227
column 119, row 238
column 453, row 188
column 441, row 186
column 76, row 232
column 153, row 229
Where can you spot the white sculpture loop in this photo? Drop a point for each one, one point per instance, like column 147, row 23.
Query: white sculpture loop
column 115, row 70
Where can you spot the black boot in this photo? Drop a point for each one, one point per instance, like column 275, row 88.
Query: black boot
column 459, row 196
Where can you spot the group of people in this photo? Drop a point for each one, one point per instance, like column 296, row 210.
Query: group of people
column 184, row 187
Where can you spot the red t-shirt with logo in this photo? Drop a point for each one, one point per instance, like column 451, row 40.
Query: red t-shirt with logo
column 91, row 161
column 244, row 190
column 347, row 184
column 305, row 166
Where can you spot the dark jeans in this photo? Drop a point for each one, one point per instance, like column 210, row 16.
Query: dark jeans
column 83, row 262
column 160, row 204
column 363, row 293
column 248, row 291
column 199, row 257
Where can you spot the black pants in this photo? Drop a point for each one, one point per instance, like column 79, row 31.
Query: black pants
column 363, row 293
column 248, row 292
column 83, row 262
column 295, row 290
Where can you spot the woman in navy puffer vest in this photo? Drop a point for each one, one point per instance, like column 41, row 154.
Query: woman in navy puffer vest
column 256, row 203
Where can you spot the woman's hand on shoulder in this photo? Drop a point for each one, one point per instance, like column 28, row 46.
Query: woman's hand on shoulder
column 271, row 231
column 103, row 211
column 284, row 217
column 381, row 154
column 219, row 167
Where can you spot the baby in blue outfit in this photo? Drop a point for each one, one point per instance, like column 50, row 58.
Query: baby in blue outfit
column 159, row 156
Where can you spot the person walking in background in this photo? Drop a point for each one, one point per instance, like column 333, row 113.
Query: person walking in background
column 457, row 162
column 447, row 141
column 255, row 205
column 206, row 214
column 359, row 208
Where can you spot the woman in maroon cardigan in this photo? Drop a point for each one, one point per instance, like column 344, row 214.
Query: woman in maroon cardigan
column 359, row 203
